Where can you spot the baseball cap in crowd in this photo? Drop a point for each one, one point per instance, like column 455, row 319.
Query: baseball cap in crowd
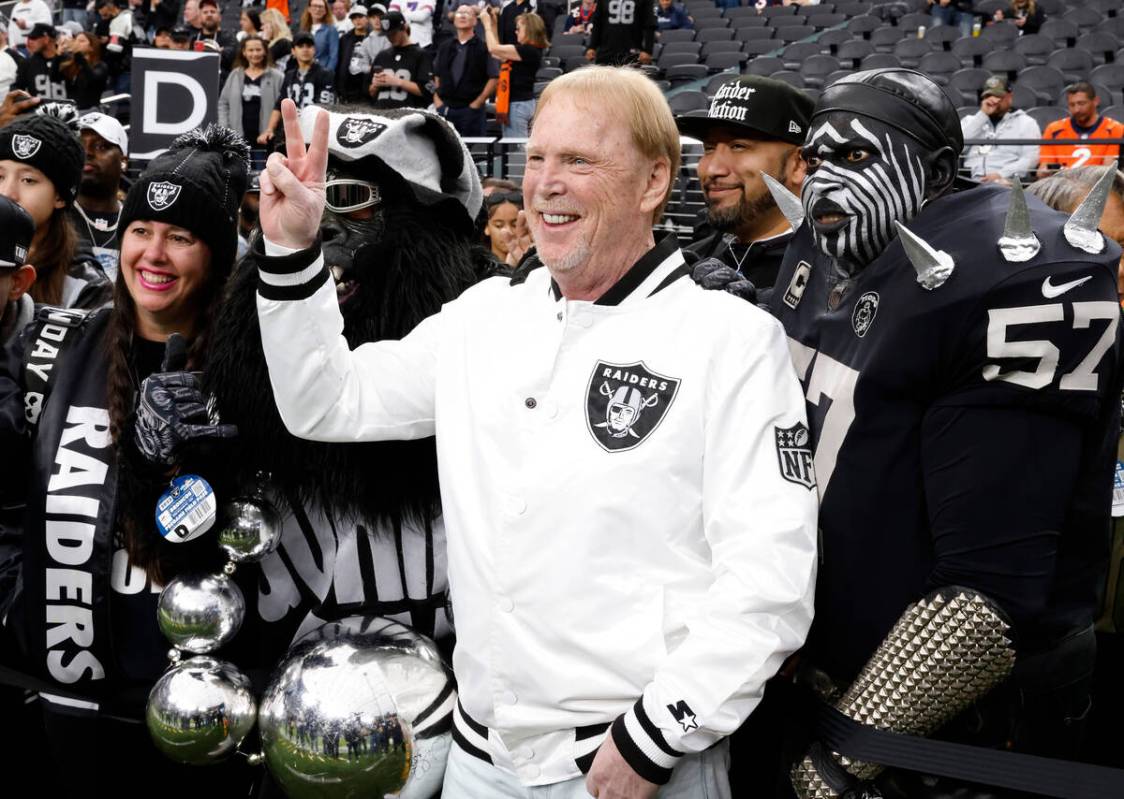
column 376, row 9
column 182, row 34
column 107, row 127
column 357, row 11
column 768, row 108
column 393, row 21
column 303, row 37
column 18, row 229
column 42, row 29
column 995, row 86
column 214, row 3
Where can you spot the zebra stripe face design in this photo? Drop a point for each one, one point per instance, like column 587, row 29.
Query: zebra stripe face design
column 862, row 176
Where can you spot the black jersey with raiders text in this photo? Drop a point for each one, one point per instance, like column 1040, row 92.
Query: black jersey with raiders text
column 314, row 87
column 963, row 435
column 410, row 63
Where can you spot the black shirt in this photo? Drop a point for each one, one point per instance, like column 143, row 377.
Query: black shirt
column 621, row 29
column 351, row 88
column 251, row 107
column 39, row 77
column 410, row 63
column 479, row 68
column 507, row 19
column 523, row 72
column 759, row 261
column 310, row 88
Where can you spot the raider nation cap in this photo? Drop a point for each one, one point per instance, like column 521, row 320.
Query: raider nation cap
column 768, row 108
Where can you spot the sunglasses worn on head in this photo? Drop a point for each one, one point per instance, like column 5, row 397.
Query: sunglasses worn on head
column 499, row 197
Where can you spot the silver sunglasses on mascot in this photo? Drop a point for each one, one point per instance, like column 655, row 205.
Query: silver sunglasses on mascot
column 344, row 195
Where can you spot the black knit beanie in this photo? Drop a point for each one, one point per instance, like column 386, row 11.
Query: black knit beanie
column 50, row 146
column 196, row 184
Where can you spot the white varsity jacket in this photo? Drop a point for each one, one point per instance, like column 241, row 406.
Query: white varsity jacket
column 627, row 491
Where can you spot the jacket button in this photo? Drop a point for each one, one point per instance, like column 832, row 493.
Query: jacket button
column 530, row 403
column 508, row 698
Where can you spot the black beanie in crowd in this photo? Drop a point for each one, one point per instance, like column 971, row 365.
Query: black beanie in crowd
column 196, row 184
column 48, row 144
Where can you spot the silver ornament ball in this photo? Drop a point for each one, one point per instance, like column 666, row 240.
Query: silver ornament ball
column 200, row 711
column 357, row 708
column 200, row 612
column 252, row 529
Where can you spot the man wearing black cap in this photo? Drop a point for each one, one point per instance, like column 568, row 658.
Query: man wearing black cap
column 353, row 67
column 960, row 355
column 307, row 84
column 38, row 75
column 401, row 76
column 16, row 276
column 754, row 126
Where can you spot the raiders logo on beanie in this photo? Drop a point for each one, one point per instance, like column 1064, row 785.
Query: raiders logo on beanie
column 196, row 184
column 48, row 144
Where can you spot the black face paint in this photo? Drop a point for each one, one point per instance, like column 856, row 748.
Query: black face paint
column 862, row 176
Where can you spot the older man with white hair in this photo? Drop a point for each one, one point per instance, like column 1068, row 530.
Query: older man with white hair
column 624, row 461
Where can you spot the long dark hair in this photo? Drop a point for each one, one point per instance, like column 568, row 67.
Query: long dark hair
column 69, row 68
column 240, row 60
column 135, row 505
column 52, row 255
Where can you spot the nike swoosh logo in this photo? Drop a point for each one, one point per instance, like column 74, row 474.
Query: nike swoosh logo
column 1049, row 290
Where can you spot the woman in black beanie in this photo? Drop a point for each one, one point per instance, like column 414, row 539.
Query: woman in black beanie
column 68, row 392
column 41, row 162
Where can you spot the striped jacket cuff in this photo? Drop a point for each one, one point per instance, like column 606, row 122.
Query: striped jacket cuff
column 643, row 746
column 295, row 276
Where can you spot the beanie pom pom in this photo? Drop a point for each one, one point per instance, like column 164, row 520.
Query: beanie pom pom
column 218, row 139
column 66, row 113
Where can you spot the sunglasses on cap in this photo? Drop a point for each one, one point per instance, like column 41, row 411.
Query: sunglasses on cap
column 344, row 195
column 500, row 197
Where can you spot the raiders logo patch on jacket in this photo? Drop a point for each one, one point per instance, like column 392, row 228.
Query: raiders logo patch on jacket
column 625, row 403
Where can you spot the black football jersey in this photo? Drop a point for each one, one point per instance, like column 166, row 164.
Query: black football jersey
column 409, row 63
column 621, row 26
column 314, row 87
column 963, row 435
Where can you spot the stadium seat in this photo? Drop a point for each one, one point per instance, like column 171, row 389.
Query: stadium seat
column 1101, row 45
column 836, row 75
column 884, row 39
column 762, row 46
column 789, row 76
column 864, row 25
column 749, row 34
column 779, row 11
column 675, row 59
column 880, row 61
column 987, row 8
column 547, row 73
column 551, row 61
column 668, row 37
column 722, row 47
column 853, row 9
column 565, row 51
column 815, row 68
column 1035, row 48
column 738, row 13
column 796, row 54
column 1111, row 76
column 1045, row 81
column 1052, row 7
column 939, row 66
column 1108, row 8
column 795, row 34
column 714, row 35
column 1004, row 32
column 966, row 111
column 854, row 51
column 833, row 38
column 971, row 51
column 821, row 21
column 1045, row 114
column 570, row 63
column 681, row 47
column 719, row 62
column 1006, row 61
column 717, row 81
column 765, row 65
column 910, row 51
column 911, row 22
column 1113, row 112
column 1106, row 95
column 788, row 22
column 539, row 86
column 1062, row 31
column 1084, row 17
column 1022, row 96
column 684, row 73
column 1075, row 64
column 964, row 85
column 749, row 22
column 701, row 11
column 683, row 102
column 943, row 36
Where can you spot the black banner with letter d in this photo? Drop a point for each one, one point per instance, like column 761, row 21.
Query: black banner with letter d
column 174, row 91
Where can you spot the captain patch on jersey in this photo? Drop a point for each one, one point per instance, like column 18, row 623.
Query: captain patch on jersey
column 625, row 402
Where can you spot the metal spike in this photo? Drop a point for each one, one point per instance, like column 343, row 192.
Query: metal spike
column 786, row 201
column 933, row 267
column 1081, row 228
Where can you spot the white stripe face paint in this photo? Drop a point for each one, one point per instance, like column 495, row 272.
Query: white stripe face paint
column 870, row 174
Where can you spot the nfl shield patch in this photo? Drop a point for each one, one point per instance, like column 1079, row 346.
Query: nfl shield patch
column 161, row 195
column 25, row 146
column 624, row 403
column 794, row 455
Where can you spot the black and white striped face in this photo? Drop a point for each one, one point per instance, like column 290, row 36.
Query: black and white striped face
column 862, row 175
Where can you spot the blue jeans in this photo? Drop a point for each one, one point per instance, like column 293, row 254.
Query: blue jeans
column 699, row 776
column 468, row 121
column 519, row 119
column 950, row 15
